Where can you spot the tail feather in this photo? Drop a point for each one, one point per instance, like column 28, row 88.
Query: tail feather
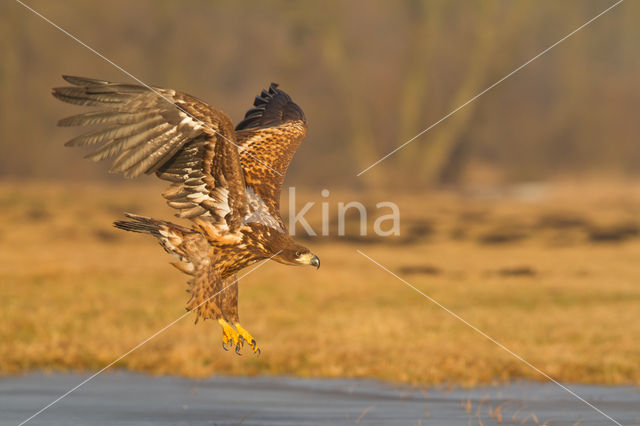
column 177, row 240
column 147, row 225
column 140, row 224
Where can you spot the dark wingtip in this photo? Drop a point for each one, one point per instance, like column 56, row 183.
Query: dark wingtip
column 56, row 92
column 73, row 79
column 271, row 107
column 83, row 81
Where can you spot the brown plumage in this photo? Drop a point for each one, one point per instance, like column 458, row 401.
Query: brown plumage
column 226, row 181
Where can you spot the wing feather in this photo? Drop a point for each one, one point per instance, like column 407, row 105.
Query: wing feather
column 268, row 138
column 178, row 137
column 115, row 132
column 105, row 117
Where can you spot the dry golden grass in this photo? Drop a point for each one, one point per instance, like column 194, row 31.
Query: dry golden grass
column 555, row 280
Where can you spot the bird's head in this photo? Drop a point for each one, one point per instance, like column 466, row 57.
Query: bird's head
column 296, row 254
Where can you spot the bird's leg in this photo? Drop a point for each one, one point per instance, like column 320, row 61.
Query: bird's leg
column 230, row 337
column 247, row 337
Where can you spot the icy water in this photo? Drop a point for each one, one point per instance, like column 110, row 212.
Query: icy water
column 131, row 399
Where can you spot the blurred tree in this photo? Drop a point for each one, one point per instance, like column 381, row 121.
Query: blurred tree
column 440, row 150
column 345, row 73
column 369, row 75
column 425, row 20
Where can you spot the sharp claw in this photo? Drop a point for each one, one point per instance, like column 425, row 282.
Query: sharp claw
column 238, row 347
column 224, row 346
column 244, row 337
column 258, row 352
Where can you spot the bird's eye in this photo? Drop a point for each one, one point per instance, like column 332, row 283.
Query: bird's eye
column 298, row 254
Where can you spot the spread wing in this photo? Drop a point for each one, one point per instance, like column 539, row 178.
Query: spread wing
column 172, row 134
column 268, row 137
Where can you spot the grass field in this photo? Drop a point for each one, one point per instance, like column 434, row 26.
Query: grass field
column 553, row 276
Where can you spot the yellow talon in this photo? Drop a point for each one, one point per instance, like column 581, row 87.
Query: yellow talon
column 244, row 334
column 230, row 337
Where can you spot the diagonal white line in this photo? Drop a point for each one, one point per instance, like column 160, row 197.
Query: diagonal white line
column 518, row 357
column 491, row 87
column 94, row 375
column 141, row 82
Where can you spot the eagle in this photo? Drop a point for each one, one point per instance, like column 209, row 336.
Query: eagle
column 226, row 181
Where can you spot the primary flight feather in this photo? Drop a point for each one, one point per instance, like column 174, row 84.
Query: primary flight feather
column 225, row 180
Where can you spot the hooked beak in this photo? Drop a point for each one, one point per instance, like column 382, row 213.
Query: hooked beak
column 309, row 259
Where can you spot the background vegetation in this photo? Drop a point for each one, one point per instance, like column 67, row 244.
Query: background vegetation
column 369, row 75
column 554, row 281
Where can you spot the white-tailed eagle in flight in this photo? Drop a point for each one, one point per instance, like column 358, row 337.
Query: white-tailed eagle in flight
column 225, row 180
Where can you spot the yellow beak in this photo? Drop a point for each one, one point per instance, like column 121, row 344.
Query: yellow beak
column 309, row 259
